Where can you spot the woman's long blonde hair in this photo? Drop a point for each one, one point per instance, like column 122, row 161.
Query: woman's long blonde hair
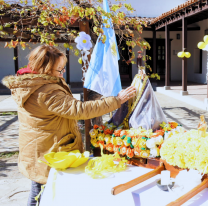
column 44, row 59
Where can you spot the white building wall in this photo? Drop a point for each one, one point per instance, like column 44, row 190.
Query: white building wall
column 176, row 63
column 6, row 61
column 193, row 38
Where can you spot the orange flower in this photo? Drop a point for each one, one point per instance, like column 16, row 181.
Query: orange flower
column 102, row 143
column 122, row 133
column 157, row 133
column 130, row 152
column 109, row 147
column 173, row 125
column 123, row 150
column 108, row 131
column 103, row 127
column 116, row 149
column 117, row 132
column 137, row 151
column 96, row 126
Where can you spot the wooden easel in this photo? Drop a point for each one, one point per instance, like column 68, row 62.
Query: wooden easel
column 174, row 171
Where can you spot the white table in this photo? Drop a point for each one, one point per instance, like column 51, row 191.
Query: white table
column 74, row 188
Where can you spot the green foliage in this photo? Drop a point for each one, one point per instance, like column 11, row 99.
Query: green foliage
column 46, row 22
column 7, row 113
column 9, row 154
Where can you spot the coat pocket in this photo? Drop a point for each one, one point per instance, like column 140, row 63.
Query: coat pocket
column 67, row 143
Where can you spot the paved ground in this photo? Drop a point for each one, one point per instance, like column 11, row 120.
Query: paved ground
column 15, row 187
column 9, row 133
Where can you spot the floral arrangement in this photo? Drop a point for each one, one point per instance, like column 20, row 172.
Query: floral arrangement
column 188, row 150
column 132, row 142
column 171, row 128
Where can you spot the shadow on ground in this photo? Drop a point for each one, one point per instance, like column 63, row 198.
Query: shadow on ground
column 184, row 116
column 6, row 167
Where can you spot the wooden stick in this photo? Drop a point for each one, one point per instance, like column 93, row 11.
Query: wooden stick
column 120, row 188
column 190, row 194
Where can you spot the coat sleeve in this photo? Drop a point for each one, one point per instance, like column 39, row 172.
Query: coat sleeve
column 65, row 105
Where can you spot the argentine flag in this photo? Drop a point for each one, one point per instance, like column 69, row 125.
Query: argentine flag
column 103, row 72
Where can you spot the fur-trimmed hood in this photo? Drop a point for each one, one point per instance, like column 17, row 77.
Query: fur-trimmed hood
column 23, row 86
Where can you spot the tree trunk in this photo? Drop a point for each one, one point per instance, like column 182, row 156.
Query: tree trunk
column 95, row 96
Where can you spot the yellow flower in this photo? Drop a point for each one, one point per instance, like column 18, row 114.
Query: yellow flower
column 101, row 136
column 186, row 150
column 145, row 153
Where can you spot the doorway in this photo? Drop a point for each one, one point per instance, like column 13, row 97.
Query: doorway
column 160, row 55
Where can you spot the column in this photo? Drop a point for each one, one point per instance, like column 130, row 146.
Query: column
column 154, row 57
column 184, row 60
column 167, row 57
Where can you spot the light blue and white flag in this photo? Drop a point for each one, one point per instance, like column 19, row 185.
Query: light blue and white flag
column 103, row 73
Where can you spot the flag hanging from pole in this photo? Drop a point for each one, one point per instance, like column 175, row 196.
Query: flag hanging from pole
column 103, row 72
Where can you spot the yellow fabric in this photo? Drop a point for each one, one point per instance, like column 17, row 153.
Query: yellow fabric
column 47, row 114
column 100, row 167
column 64, row 160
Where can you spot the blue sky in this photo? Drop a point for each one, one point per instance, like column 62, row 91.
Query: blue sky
column 144, row 8
column 152, row 8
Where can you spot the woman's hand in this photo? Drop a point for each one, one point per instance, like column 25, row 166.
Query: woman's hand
column 126, row 94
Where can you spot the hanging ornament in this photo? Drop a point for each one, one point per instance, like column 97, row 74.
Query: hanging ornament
column 183, row 54
column 83, row 44
column 187, row 54
column 201, row 45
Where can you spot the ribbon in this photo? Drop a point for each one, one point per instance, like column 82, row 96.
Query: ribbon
column 54, row 183
column 100, row 167
column 38, row 196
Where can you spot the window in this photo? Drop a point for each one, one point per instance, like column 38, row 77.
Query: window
column 161, row 52
column 197, row 61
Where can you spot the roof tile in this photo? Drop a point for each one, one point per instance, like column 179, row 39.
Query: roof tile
column 179, row 7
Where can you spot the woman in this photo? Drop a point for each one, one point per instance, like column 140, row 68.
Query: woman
column 48, row 113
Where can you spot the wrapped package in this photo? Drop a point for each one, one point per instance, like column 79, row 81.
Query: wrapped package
column 141, row 111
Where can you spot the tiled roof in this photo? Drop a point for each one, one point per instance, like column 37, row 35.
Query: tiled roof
column 147, row 19
column 178, row 8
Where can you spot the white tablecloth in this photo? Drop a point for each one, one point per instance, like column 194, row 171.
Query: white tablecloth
column 74, row 188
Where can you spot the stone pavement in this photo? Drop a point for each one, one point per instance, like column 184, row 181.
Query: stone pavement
column 197, row 95
column 15, row 187
column 8, row 105
column 9, row 126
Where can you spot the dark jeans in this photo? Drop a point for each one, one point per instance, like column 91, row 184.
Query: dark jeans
column 35, row 190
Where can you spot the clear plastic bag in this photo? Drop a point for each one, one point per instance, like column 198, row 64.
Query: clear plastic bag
column 147, row 113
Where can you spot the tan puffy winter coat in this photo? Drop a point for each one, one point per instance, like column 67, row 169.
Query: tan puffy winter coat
column 48, row 116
